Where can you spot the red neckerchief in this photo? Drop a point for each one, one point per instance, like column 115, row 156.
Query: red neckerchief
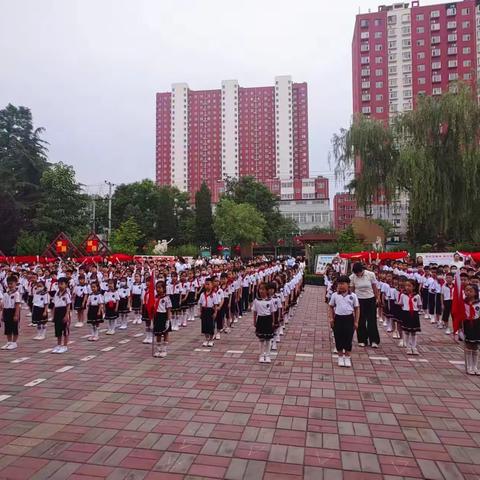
column 471, row 311
column 206, row 297
column 411, row 307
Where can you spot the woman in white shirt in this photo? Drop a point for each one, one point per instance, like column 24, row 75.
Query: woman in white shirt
column 364, row 284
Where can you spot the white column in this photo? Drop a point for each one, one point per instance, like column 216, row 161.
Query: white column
column 230, row 109
column 179, row 140
column 283, row 127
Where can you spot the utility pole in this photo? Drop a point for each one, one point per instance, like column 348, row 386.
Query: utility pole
column 93, row 214
column 110, row 185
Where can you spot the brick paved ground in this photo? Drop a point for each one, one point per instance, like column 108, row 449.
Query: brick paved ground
column 120, row 414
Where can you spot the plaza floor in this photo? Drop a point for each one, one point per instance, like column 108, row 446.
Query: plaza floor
column 108, row 410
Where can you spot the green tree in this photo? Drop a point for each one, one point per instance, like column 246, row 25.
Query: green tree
column 238, row 223
column 248, row 190
column 22, row 163
column 204, row 234
column 31, row 243
column 64, row 206
column 126, row 238
column 432, row 153
column 347, row 241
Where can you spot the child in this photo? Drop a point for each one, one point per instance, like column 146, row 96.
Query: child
column 344, row 316
column 207, row 312
column 184, row 291
column 40, row 310
column 447, row 296
column 192, row 295
column 471, row 329
column 161, row 324
column 61, row 315
column 145, row 314
column 276, row 312
column 95, row 305
column 11, row 313
column 137, row 289
column 124, row 302
column 263, row 321
column 80, row 295
column 410, row 303
column 110, row 298
column 174, row 290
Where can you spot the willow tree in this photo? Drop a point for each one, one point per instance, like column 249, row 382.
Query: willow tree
column 432, row 153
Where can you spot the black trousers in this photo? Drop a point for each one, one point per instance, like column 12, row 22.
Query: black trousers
column 343, row 332
column 367, row 324
column 245, row 298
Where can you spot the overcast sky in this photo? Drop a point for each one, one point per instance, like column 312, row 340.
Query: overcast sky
column 89, row 69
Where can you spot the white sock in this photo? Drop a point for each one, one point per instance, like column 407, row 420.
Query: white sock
column 262, row 347
column 413, row 340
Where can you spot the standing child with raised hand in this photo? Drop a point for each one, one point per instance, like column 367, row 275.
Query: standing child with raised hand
column 40, row 310
column 11, row 313
column 62, row 302
column 344, row 316
column 95, row 308
column 80, row 295
column 471, row 329
column 111, row 298
column 207, row 312
column 410, row 303
column 263, row 321
column 161, row 323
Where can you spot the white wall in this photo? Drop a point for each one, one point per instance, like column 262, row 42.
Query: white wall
column 230, row 145
column 284, row 126
column 179, row 132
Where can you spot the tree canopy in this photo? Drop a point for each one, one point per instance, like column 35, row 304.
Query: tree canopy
column 432, row 154
column 238, row 223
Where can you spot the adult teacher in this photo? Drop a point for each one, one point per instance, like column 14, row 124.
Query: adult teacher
column 364, row 283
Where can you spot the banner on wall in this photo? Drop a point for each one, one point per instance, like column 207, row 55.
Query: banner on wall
column 440, row 258
column 321, row 262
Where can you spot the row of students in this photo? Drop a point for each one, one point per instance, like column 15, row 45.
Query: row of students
column 404, row 298
column 112, row 303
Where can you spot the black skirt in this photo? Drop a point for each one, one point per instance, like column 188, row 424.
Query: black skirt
column 78, row 304
column 161, row 324
column 175, row 299
column 110, row 312
column 208, row 324
column 136, row 302
column 471, row 329
column 38, row 317
column 123, row 305
column 264, row 327
column 410, row 321
column 93, row 315
column 191, row 299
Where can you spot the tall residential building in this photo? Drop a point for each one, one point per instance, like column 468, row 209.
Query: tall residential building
column 344, row 209
column 212, row 135
column 406, row 50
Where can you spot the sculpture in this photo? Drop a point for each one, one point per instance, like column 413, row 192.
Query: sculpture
column 161, row 247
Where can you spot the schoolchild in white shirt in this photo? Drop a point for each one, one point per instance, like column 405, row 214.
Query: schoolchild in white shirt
column 344, row 316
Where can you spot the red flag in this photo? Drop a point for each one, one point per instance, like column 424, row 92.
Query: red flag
column 150, row 303
column 458, row 304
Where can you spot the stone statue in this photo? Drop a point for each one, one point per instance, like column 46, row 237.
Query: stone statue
column 378, row 245
column 161, row 247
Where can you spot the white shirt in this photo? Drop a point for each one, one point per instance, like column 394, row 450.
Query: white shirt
column 10, row 299
column 62, row 299
column 405, row 303
column 447, row 292
column 263, row 307
column 207, row 300
column 344, row 304
column 40, row 299
column 164, row 303
column 364, row 284
column 95, row 299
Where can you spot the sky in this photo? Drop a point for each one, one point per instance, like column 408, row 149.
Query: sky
column 89, row 69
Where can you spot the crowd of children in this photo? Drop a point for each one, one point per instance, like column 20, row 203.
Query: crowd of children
column 60, row 292
column 409, row 293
